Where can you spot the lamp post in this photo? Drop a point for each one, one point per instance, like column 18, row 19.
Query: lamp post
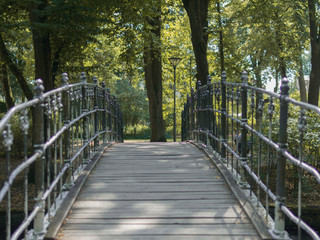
column 174, row 61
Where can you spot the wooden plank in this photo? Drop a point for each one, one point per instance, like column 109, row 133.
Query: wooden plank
column 156, row 191
column 154, row 237
column 204, row 204
column 158, row 221
column 140, row 230
column 152, row 196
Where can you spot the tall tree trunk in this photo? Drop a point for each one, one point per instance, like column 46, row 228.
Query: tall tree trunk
column 5, row 56
column 41, row 43
column 198, row 18
column 153, row 77
column 313, row 94
column 302, row 84
column 276, row 87
column 221, row 45
column 282, row 64
column 6, row 89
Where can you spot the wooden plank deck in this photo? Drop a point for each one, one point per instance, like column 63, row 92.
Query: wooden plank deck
column 156, row 191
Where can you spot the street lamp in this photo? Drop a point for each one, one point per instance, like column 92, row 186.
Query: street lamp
column 174, row 61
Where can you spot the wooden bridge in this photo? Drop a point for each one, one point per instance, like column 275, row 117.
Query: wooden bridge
column 226, row 180
column 157, row 191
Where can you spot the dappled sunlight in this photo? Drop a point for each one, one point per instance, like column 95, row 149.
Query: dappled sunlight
column 148, row 190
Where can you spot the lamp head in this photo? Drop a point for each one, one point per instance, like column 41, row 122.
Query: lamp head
column 174, row 61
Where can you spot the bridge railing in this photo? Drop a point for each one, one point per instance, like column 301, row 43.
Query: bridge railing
column 269, row 141
column 52, row 137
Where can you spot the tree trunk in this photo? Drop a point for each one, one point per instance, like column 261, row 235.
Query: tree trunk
column 6, row 89
column 198, row 18
column 313, row 94
column 5, row 56
column 221, row 45
column 282, row 64
column 153, row 77
column 41, row 43
column 276, row 87
column 302, row 84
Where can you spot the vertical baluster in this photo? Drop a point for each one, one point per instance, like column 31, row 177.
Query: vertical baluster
column 270, row 114
column 216, row 127
column 232, row 126
column 227, row 122
column 24, row 126
column 223, row 115
column 60, row 105
column 55, row 145
column 104, row 113
column 211, row 113
column 114, row 118
column 95, row 108
column 219, row 118
column 48, row 114
column 85, row 120
column 66, row 136
column 260, row 116
column 192, row 114
column 302, row 126
column 109, row 113
column 252, row 105
column 7, row 142
column 38, row 134
column 198, row 110
column 73, row 164
column 244, row 79
column 238, row 127
column 281, row 161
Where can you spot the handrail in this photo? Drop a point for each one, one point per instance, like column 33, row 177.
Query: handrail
column 67, row 125
column 247, row 127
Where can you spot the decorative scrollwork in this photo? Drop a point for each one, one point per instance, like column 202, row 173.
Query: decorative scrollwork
column 252, row 99
column 302, row 121
column 71, row 92
column 261, row 103
column 7, row 136
column 54, row 104
column 48, row 109
column 60, row 105
column 271, row 107
column 238, row 95
column 24, row 122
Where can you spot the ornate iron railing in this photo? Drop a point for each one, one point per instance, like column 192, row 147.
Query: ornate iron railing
column 261, row 136
column 57, row 134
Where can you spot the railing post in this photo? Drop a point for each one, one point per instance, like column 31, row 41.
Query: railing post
column 244, row 105
column 85, row 130
column 223, row 116
column 114, row 112
column 198, row 110
column 104, row 105
column 192, row 114
column 109, row 115
column 95, row 107
column 281, row 161
column 38, row 140
column 187, row 118
column 66, row 136
column 208, row 110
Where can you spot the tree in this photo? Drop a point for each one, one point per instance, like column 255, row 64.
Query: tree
column 4, row 80
column 153, row 74
column 39, row 11
column 198, row 17
column 313, row 94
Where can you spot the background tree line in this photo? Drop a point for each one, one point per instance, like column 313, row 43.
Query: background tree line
column 131, row 41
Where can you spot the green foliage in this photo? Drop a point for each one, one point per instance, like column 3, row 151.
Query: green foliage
column 133, row 103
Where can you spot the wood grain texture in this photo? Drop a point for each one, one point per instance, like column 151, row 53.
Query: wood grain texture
column 156, row 191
